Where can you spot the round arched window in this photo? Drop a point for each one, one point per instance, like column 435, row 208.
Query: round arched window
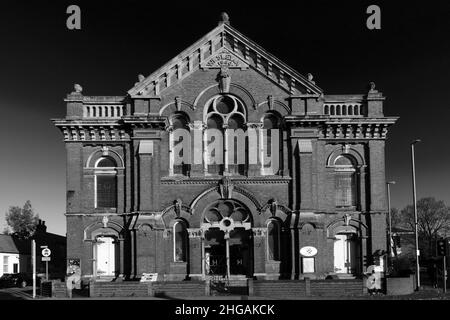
column 227, row 108
column 106, row 183
column 345, row 181
column 227, row 112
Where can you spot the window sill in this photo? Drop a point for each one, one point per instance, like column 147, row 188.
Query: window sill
column 349, row 208
column 105, row 210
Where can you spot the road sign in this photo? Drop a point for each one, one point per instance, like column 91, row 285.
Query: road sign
column 46, row 258
column 308, row 251
column 46, row 252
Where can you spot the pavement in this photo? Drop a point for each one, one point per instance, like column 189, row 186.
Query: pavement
column 426, row 293
column 16, row 293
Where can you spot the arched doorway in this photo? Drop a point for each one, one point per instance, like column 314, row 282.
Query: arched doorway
column 227, row 244
column 105, row 256
column 349, row 245
column 346, row 257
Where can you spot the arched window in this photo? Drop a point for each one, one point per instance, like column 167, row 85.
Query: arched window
column 105, row 183
column 227, row 112
column 272, row 147
column 273, row 240
column 180, row 242
column 345, row 181
column 180, row 121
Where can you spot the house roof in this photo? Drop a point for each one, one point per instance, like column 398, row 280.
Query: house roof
column 7, row 244
column 224, row 36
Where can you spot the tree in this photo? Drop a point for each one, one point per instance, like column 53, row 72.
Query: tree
column 396, row 218
column 433, row 219
column 22, row 221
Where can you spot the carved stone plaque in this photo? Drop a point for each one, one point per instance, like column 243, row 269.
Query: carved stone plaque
column 224, row 58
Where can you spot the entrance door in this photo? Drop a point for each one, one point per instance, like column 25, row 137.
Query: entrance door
column 239, row 252
column 105, row 256
column 215, row 253
column 235, row 260
column 345, row 253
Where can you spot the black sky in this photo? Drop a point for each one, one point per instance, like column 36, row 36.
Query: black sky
column 40, row 60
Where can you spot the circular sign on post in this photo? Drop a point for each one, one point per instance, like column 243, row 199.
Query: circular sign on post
column 308, row 251
column 46, row 252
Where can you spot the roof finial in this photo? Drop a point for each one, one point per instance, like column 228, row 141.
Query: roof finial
column 77, row 88
column 224, row 18
column 372, row 87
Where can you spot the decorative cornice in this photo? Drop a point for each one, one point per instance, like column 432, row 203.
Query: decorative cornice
column 92, row 133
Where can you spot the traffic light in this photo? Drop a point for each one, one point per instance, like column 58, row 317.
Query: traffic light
column 442, row 247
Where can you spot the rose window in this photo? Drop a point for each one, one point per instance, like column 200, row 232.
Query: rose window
column 228, row 211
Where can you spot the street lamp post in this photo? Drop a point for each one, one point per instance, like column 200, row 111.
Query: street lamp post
column 415, row 213
column 390, row 225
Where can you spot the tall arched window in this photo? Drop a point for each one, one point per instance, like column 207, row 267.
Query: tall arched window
column 105, row 183
column 180, row 121
column 273, row 143
column 273, row 240
column 180, row 242
column 227, row 112
column 345, row 181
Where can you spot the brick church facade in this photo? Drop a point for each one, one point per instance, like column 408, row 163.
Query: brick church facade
column 225, row 162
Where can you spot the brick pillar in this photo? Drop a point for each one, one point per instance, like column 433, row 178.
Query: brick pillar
column 294, row 173
column 378, row 201
column 145, row 185
column 120, row 191
column 285, row 163
column 149, row 175
column 362, row 188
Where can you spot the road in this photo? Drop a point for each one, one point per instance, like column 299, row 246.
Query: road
column 16, row 293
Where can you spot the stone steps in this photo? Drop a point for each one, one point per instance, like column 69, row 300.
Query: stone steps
column 293, row 289
column 282, row 289
column 178, row 289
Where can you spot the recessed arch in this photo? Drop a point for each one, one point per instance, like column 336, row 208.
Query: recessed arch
column 235, row 90
column 101, row 152
column 98, row 228
column 349, row 151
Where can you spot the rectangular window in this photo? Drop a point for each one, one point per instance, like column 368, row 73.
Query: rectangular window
column 345, row 189
column 5, row 264
column 106, row 191
column 308, row 265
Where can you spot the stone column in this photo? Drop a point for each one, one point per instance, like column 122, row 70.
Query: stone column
column 205, row 151
column 225, row 153
column 171, row 155
column 122, row 257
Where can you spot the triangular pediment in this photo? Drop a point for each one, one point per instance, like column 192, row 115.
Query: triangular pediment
column 224, row 46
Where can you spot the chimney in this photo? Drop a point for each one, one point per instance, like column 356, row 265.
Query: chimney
column 41, row 227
